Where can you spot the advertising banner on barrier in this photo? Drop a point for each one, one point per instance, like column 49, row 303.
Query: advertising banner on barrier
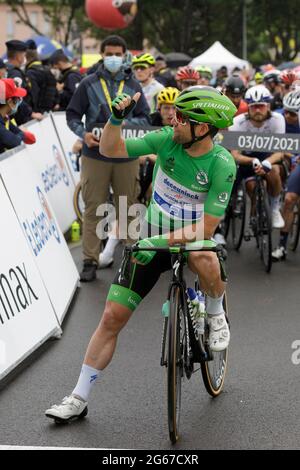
column 40, row 226
column 67, row 139
column 27, row 317
column 55, row 177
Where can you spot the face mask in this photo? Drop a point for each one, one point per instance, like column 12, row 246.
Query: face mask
column 15, row 108
column 113, row 63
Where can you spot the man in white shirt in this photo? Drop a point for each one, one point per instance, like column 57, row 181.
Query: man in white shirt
column 260, row 118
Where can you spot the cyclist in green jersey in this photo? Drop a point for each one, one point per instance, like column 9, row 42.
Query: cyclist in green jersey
column 192, row 182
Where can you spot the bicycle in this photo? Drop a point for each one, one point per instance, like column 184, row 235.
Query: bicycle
column 261, row 223
column 295, row 229
column 235, row 216
column 180, row 349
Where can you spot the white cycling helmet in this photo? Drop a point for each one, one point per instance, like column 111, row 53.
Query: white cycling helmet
column 291, row 101
column 258, row 94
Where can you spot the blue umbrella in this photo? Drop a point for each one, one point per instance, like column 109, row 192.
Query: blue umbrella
column 46, row 47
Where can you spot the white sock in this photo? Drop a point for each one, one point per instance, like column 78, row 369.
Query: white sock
column 214, row 306
column 87, row 378
column 275, row 202
column 110, row 247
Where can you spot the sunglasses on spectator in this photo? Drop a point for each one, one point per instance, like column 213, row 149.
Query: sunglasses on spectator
column 140, row 67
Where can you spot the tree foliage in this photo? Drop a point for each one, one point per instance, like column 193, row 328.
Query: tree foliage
column 191, row 26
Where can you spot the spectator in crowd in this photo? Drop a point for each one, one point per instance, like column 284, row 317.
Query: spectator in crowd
column 10, row 99
column 222, row 74
column 3, row 69
column 16, row 59
column 69, row 80
column 162, row 73
column 92, row 99
column 43, row 84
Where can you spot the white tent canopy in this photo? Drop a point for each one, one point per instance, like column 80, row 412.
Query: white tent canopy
column 216, row 56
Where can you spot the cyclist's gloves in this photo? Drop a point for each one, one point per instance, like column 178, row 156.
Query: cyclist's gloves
column 119, row 114
column 145, row 257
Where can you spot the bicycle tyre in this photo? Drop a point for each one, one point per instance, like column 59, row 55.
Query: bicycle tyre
column 238, row 217
column 214, row 371
column 175, row 364
column 264, row 229
column 295, row 230
column 77, row 198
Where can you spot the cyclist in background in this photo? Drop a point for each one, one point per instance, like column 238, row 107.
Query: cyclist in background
column 260, row 118
column 205, row 74
column 291, row 106
column 186, row 77
column 235, row 88
column 272, row 81
column 143, row 68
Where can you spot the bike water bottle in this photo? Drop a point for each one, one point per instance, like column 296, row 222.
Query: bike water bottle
column 202, row 312
column 75, row 231
column 195, row 307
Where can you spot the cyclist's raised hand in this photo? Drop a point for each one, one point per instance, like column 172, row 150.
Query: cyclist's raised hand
column 123, row 104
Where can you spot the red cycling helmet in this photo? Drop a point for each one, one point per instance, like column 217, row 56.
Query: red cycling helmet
column 288, row 76
column 187, row 73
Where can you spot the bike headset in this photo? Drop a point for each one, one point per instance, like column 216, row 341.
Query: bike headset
column 205, row 104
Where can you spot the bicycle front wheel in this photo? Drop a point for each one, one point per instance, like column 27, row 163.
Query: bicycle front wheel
column 264, row 229
column 78, row 202
column 175, row 362
column 214, row 371
column 238, row 216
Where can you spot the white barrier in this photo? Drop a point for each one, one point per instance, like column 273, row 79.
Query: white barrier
column 38, row 221
column 67, row 139
column 55, row 177
column 27, row 317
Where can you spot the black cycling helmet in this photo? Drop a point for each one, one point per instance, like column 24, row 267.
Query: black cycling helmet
column 234, row 85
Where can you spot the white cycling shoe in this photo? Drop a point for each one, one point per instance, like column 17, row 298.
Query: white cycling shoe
column 70, row 408
column 219, row 334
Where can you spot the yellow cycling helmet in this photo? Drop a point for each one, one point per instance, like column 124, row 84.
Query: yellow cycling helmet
column 167, row 96
column 143, row 59
column 259, row 77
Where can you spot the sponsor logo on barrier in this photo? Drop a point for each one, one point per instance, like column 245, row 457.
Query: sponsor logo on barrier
column 16, row 293
column 55, row 174
column 42, row 227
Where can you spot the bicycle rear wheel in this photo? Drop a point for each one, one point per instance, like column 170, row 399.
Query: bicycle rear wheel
column 295, row 230
column 175, row 362
column 214, row 371
column 264, row 229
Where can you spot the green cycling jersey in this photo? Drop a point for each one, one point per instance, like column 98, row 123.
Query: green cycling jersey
column 184, row 187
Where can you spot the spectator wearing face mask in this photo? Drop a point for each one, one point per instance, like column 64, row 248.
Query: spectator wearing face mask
column 93, row 99
column 70, row 77
column 11, row 97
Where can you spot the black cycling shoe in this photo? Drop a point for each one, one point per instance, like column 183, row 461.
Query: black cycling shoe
column 88, row 272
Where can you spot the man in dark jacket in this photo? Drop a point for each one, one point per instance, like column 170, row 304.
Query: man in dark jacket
column 70, row 78
column 16, row 59
column 93, row 99
column 42, row 82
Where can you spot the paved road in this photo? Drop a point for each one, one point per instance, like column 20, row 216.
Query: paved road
column 260, row 406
